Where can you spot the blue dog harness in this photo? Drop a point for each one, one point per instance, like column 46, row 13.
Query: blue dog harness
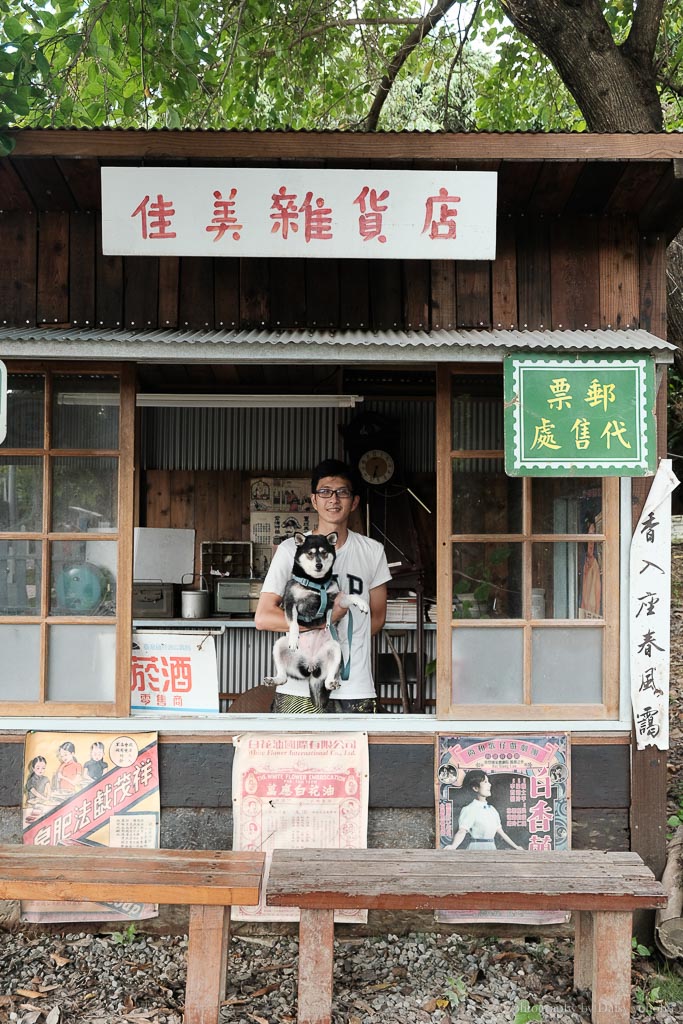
column 322, row 610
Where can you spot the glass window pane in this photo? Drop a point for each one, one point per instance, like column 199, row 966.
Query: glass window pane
column 487, row 581
column 478, row 413
column 85, row 412
column 567, row 666
column 25, row 411
column 485, row 500
column 81, row 663
column 567, row 581
column 83, row 578
column 488, row 665
column 84, row 494
column 567, row 506
column 21, row 494
column 20, row 574
column 20, row 678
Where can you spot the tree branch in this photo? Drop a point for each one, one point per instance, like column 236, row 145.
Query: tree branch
column 347, row 23
column 642, row 39
column 424, row 26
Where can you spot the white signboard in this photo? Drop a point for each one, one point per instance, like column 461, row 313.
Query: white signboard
column 650, row 620
column 358, row 214
column 3, row 402
column 173, row 674
column 299, row 792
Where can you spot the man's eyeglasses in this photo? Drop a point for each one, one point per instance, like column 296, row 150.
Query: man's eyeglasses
column 340, row 492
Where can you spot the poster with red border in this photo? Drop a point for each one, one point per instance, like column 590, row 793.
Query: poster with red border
column 90, row 789
column 527, row 796
column 299, row 792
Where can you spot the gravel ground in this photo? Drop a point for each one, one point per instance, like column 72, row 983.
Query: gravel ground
column 125, row 977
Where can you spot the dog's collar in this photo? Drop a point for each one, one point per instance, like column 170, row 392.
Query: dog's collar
column 322, row 591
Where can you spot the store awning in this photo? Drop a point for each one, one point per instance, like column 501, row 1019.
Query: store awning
column 319, row 346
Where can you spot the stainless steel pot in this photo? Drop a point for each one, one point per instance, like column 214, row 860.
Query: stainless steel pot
column 195, row 604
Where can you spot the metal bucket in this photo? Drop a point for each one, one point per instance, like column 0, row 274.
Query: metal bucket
column 195, row 604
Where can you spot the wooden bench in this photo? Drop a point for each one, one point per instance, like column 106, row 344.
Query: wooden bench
column 209, row 882
column 602, row 889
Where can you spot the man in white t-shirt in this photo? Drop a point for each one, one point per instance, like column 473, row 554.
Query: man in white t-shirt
column 360, row 569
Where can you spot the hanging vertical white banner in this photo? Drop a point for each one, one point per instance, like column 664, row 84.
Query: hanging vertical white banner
column 650, row 613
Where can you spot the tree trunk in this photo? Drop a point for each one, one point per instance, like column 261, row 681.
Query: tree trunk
column 614, row 86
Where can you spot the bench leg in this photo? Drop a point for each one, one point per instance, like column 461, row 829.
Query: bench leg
column 583, row 949
column 611, row 967
column 316, row 966
column 207, row 963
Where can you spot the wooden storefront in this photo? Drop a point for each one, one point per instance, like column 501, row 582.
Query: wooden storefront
column 583, row 225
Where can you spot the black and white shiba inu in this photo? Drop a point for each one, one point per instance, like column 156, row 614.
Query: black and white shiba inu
column 309, row 595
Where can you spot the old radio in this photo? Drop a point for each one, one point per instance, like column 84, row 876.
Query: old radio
column 232, row 597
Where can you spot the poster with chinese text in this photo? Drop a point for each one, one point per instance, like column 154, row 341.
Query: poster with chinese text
column 498, row 792
column 650, row 613
column 299, row 792
column 173, row 674
column 90, row 789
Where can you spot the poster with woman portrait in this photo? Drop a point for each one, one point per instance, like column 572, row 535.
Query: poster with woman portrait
column 503, row 793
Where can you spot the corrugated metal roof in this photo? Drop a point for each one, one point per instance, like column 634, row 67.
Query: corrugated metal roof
column 357, row 346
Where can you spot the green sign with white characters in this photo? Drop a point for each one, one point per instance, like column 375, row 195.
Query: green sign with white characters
column 580, row 415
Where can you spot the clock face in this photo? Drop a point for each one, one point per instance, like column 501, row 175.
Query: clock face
column 376, row 467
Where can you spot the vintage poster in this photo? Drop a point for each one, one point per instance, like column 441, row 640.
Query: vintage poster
column 173, row 674
column 503, row 792
column 90, row 789
column 650, row 613
column 299, row 792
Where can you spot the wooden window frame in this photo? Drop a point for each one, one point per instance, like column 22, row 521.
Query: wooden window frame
column 446, row 709
column 119, row 706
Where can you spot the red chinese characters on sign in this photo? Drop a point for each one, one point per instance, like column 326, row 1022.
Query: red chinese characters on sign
column 440, row 214
column 156, row 217
column 224, row 216
column 162, row 673
column 317, row 217
column 371, row 210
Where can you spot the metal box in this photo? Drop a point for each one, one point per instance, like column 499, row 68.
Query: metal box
column 232, row 597
column 223, row 559
column 152, row 600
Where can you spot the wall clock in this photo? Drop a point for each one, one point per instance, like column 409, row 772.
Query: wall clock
column 376, row 466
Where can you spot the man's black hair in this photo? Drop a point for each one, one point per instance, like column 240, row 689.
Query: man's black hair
column 333, row 467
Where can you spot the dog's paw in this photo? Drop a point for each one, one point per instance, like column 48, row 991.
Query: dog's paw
column 361, row 605
column 274, row 680
column 332, row 684
column 293, row 643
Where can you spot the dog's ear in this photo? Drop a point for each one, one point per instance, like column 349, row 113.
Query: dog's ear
column 333, row 538
column 299, row 538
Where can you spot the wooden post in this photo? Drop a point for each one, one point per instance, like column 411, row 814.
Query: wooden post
column 316, row 966
column 611, row 967
column 207, row 963
column 583, row 949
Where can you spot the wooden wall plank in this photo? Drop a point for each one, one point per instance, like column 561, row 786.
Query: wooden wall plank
column 619, row 273
column 416, row 294
column 14, row 195
column 473, row 288
column 553, row 188
column 205, row 512
column 354, row 294
column 53, row 268
column 169, row 281
column 141, row 292
column 83, row 178
column 226, row 287
column 182, row 499
column 195, row 293
column 575, row 274
column 108, row 285
column 444, row 315
column 232, row 516
column 504, row 277
column 386, row 305
column 254, row 292
column 533, row 273
column 82, row 268
column 322, row 293
column 653, row 284
column 287, row 293
column 157, row 498
column 18, row 241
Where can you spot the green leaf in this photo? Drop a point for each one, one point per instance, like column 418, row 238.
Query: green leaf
column 74, row 42
column 7, row 144
column 13, row 28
